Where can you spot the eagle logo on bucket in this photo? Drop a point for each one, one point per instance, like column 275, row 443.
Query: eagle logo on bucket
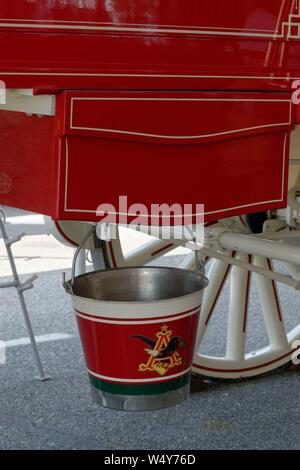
column 163, row 352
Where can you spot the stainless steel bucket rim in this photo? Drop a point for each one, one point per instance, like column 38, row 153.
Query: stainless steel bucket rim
column 204, row 283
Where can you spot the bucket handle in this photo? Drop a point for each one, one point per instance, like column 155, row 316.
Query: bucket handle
column 68, row 286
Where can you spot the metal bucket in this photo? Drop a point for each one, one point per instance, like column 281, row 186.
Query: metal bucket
column 138, row 330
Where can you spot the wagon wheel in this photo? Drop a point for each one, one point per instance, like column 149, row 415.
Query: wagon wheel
column 237, row 363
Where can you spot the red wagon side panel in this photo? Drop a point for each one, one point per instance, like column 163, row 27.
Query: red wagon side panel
column 150, row 44
column 157, row 148
column 195, row 148
column 26, row 161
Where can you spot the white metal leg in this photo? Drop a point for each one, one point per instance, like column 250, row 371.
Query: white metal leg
column 21, row 287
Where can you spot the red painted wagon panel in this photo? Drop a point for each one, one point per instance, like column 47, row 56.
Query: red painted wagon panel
column 229, row 179
column 26, row 161
column 158, row 147
column 152, row 147
column 147, row 44
column 176, row 118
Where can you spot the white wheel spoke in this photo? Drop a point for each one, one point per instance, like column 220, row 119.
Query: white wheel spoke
column 149, row 252
column 144, row 254
column 238, row 311
column 217, row 276
column 271, row 308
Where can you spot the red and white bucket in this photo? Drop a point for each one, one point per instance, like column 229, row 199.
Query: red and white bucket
column 138, row 330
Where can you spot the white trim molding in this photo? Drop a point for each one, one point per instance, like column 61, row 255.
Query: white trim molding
column 145, row 29
column 287, row 78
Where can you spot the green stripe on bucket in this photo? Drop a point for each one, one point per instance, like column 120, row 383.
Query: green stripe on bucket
column 140, row 389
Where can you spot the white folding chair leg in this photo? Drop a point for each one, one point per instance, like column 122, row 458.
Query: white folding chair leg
column 21, row 287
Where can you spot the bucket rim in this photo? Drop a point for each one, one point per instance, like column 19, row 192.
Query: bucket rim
column 68, row 286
